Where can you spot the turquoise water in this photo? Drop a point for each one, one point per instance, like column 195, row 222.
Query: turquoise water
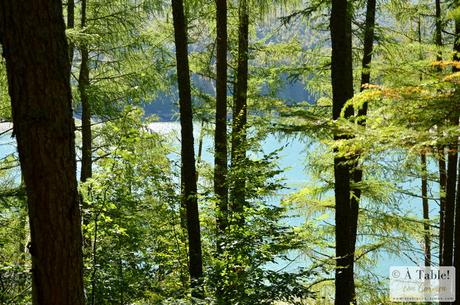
column 293, row 160
column 7, row 145
column 7, row 149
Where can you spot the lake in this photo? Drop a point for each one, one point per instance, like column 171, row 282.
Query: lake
column 293, row 160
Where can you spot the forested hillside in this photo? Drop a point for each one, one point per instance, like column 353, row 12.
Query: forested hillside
column 229, row 152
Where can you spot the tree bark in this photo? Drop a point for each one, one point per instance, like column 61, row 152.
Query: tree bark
column 457, row 236
column 83, row 84
column 220, row 136
column 238, row 140
column 238, row 152
column 448, row 244
column 442, row 199
column 426, row 212
column 362, row 113
column 342, row 90
column 188, row 168
column 369, row 33
column 451, row 188
column 441, row 160
column 36, row 52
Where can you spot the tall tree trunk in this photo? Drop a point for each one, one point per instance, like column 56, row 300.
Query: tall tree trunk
column 457, row 236
column 448, row 244
column 36, row 52
column 83, row 84
column 238, row 153
column 342, row 90
column 426, row 212
column 424, row 179
column 188, row 168
column 220, row 137
column 238, row 138
column 362, row 113
column 451, row 188
column 441, row 160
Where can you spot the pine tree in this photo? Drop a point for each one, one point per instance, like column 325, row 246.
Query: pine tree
column 220, row 135
column 342, row 91
column 83, row 85
column 188, row 167
column 238, row 152
column 369, row 30
column 37, row 60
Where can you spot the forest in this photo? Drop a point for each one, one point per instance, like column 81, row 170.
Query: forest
column 227, row 152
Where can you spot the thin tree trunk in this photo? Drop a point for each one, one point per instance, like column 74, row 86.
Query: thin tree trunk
column 441, row 161
column 369, row 33
column 83, row 84
column 448, row 244
column 199, row 155
column 452, row 185
column 238, row 153
column 200, row 146
column 442, row 199
column 426, row 212
column 342, row 90
column 457, row 236
column 362, row 113
column 238, row 138
column 424, row 179
column 188, row 168
column 36, row 52
column 220, row 136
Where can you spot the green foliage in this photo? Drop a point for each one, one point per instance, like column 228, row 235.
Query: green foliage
column 5, row 107
column 135, row 244
column 137, row 251
column 258, row 241
column 15, row 280
column 127, row 58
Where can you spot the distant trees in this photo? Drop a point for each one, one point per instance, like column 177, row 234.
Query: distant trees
column 32, row 35
column 252, row 237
